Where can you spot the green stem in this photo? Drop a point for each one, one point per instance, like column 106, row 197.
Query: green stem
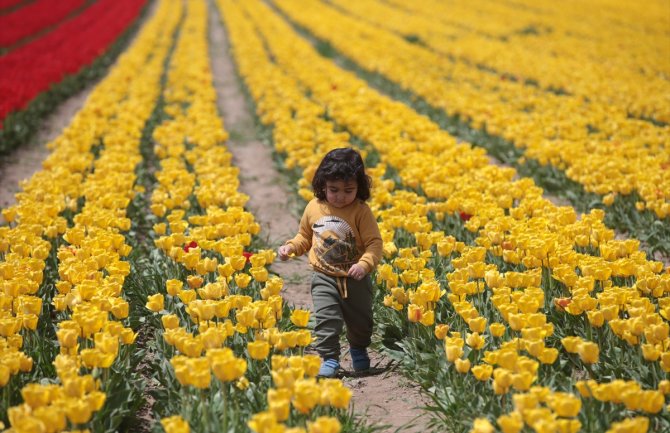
column 225, row 407
column 204, row 413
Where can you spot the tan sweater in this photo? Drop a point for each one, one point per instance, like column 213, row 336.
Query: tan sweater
column 337, row 238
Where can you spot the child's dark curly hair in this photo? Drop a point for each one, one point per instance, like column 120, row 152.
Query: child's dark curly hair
column 344, row 164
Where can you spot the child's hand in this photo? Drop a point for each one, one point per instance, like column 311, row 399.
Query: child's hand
column 357, row 272
column 284, row 252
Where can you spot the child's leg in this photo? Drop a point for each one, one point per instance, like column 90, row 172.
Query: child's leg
column 357, row 311
column 328, row 315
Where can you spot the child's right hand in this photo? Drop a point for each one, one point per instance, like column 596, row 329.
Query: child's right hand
column 284, row 252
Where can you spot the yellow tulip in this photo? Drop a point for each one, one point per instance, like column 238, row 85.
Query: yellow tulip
column 304, row 338
column 453, row 352
column 187, row 296
column 311, row 364
column 324, row 424
column 237, row 262
column 77, row 411
column 502, row 378
column 568, row 425
column 173, row 287
column 665, row 361
column 242, row 280
column 306, row 395
column 475, row 341
column 194, row 281
column 664, row 386
column 36, row 395
column 259, row 274
column 225, row 270
column 67, row 337
column 229, row 369
column 414, row 313
column 462, row 365
column 608, row 199
column 409, row 276
column 596, row 318
column 300, row 318
column 280, row 408
column 263, row 422
column 548, row 355
column 155, row 302
column 497, row 329
column 565, row 405
column 334, row 393
column 482, row 425
column 650, row 352
column 428, row 318
column 482, row 372
column 441, row 330
column 522, row 381
column 170, row 321
column 477, row 324
column 175, row 424
column 571, row 344
column 510, row 423
column 588, row 352
column 258, row 349
column 652, row 401
column 637, row 424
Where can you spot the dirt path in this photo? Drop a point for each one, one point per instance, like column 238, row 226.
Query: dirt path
column 386, row 399
column 270, row 200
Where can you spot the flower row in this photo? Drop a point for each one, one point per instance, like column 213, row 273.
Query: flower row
column 33, row 18
column 549, row 49
column 89, row 307
column 596, row 144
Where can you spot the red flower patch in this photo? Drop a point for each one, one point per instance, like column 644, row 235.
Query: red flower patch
column 247, row 255
column 464, row 216
column 192, row 244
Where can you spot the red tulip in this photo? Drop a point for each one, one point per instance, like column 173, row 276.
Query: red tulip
column 247, row 255
column 192, row 244
column 464, row 216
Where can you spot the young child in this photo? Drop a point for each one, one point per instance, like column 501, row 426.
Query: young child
column 342, row 237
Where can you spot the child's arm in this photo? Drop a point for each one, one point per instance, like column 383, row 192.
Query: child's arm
column 372, row 240
column 301, row 243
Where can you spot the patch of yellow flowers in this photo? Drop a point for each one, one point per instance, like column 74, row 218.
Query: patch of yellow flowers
column 511, row 220
column 594, row 142
column 91, row 265
column 295, row 385
column 518, row 43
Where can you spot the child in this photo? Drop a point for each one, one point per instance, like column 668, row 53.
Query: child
column 344, row 244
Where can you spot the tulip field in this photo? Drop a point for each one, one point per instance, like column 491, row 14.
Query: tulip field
column 521, row 182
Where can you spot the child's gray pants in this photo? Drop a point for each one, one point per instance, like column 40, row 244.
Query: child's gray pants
column 331, row 311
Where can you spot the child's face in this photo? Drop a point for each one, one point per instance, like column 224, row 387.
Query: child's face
column 340, row 193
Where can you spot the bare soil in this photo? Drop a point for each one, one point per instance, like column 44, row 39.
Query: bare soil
column 386, row 399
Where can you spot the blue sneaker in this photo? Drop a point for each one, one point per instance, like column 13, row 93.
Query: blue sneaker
column 360, row 360
column 329, row 368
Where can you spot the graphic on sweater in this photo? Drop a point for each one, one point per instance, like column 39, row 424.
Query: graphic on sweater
column 334, row 244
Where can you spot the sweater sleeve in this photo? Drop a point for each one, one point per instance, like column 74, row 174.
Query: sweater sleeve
column 372, row 240
column 302, row 242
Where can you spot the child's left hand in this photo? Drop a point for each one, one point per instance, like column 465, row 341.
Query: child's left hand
column 357, row 272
